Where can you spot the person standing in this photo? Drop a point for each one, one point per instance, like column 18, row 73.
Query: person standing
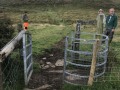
column 111, row 24
column 25, row 20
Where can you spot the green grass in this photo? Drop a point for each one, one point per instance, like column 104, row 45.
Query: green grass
column 111, row 80
column 45, row 36
column 48, row 25
column 96, row 86
column 58, row 15
column 54, row 15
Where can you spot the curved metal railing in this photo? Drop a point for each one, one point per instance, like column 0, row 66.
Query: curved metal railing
column 77, row 62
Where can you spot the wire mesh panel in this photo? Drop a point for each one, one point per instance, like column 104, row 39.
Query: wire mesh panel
column 12, row 72
column 16, row 62
column 78, row 61
column 113, row 67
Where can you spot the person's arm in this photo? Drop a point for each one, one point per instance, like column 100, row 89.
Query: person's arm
column 115, row 23
column 104, row 20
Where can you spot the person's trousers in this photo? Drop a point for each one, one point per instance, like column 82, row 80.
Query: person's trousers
column 110, row 34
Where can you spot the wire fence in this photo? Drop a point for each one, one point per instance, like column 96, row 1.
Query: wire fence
column 16, row 65
column 79, row 56
column 13, row 71
column 112, row 73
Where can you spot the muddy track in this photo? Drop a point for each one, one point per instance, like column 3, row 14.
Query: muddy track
column 50, row 75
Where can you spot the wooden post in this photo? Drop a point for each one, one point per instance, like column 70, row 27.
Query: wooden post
column 93, row 64
column 100, row 25
column 11, row 45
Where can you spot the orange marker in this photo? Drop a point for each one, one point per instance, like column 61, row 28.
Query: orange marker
column 25, row 24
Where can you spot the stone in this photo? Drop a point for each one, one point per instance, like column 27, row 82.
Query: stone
column 51, row 55
column 44, row 87
column 72, row 78
column 46, row 67
column 48, row 63
column 41, row 62
column 44, row 58
column 59, row 63
column 53, row 66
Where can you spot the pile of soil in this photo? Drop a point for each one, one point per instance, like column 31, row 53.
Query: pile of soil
column 50, row 75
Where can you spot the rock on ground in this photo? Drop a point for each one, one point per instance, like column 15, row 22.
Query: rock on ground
column 59, row 62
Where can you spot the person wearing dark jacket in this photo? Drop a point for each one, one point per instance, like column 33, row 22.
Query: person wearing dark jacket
column 111, row 24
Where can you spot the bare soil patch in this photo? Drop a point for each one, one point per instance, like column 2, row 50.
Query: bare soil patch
column 51, row 73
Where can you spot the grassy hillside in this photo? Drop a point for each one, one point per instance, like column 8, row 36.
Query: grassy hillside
column 67, row 13
column 49, row 24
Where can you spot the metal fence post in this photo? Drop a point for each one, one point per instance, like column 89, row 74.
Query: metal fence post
column 24, row 52
column 27, row 57
column 65, row 57
column 77, row 42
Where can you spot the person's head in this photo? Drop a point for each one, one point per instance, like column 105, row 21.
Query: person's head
column 111, row 11
column 100, row 11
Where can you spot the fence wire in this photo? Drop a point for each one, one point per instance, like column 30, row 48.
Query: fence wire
column 79, row 56
column 77, row 64
column 112, row 73
column 12, row 71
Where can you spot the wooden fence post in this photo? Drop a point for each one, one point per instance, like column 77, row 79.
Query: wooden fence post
column 93, row 64
column 100, row 26
column 77, row 36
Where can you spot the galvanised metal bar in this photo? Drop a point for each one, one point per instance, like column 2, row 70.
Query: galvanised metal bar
column 27, row 56
column 76, row 71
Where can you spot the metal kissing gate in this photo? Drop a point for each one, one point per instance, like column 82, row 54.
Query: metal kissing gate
column 85, row 57
column 27, row 57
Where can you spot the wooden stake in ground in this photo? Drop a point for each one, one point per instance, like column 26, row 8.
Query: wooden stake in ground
column 100, row 26
column 93, row 64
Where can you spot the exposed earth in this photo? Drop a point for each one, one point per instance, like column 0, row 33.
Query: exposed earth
column 50, row 73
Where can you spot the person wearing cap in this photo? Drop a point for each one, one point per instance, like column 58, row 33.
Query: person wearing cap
column 111, row 24
column 101, row 13
column 25, row 21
